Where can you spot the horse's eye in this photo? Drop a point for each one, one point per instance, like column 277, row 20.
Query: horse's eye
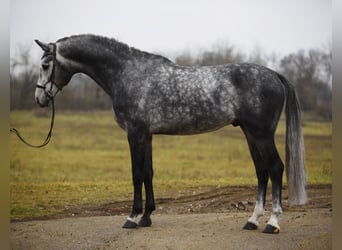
column 45, row 66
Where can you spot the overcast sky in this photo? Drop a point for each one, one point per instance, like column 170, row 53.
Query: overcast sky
column 169, row 26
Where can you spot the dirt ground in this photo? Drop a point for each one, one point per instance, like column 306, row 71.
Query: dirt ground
column 205, row 218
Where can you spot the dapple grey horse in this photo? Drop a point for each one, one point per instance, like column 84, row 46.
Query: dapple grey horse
column 153, row 95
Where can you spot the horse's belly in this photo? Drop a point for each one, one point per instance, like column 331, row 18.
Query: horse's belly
column 186, row 123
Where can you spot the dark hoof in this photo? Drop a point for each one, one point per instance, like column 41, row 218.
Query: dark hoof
column 145, row 222
column 130, row 224
column 269, row 229
column 250, row 226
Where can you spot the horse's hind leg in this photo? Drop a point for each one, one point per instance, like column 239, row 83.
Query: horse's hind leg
column 267, row 164
column 276, row 169
column 263, row 177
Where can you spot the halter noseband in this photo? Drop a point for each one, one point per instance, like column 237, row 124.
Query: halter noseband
column 52, row 75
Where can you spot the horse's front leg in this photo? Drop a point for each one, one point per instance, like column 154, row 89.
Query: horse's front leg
column 139, row 144
column 148, row 175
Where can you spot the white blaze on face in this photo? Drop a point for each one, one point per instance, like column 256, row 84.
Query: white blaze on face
column 44, row 77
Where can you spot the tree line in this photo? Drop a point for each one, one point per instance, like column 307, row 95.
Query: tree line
column 310, row 70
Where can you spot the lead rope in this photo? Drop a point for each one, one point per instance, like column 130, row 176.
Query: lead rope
column 48, row 137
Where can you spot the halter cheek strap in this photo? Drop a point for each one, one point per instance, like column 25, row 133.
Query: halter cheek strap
column 49, row 92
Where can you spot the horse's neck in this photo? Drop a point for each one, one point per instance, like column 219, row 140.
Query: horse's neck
column 94, row 60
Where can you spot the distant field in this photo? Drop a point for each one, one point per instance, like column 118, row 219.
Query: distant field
column 88, row 161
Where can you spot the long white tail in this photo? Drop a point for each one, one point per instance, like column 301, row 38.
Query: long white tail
column 295, row 151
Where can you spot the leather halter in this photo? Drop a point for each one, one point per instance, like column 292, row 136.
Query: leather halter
column 52, row 75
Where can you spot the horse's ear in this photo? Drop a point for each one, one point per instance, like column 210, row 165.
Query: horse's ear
column 44, row 46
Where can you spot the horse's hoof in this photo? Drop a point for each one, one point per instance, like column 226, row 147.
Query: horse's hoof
column 145, row 222
column 269, row 229
column 250, row 226
column 130, row 224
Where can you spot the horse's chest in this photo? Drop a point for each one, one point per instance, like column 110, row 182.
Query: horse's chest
column 119, row 117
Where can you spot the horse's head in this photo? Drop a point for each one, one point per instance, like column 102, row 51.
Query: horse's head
column 53, row 75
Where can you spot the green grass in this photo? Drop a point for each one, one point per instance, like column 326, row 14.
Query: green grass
column 88, row 161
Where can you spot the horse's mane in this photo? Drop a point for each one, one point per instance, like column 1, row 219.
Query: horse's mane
column 107, row 45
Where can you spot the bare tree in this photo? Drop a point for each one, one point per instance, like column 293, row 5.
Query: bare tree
column 306, row 69
column 257, row 56
column 185, row 58
column 220, row 53
column 82, row 93
column 23, row 78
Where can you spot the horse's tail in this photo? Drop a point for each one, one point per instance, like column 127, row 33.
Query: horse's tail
column 295, row 151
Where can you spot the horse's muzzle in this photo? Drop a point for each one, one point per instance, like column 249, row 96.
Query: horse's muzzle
column 42, row 105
